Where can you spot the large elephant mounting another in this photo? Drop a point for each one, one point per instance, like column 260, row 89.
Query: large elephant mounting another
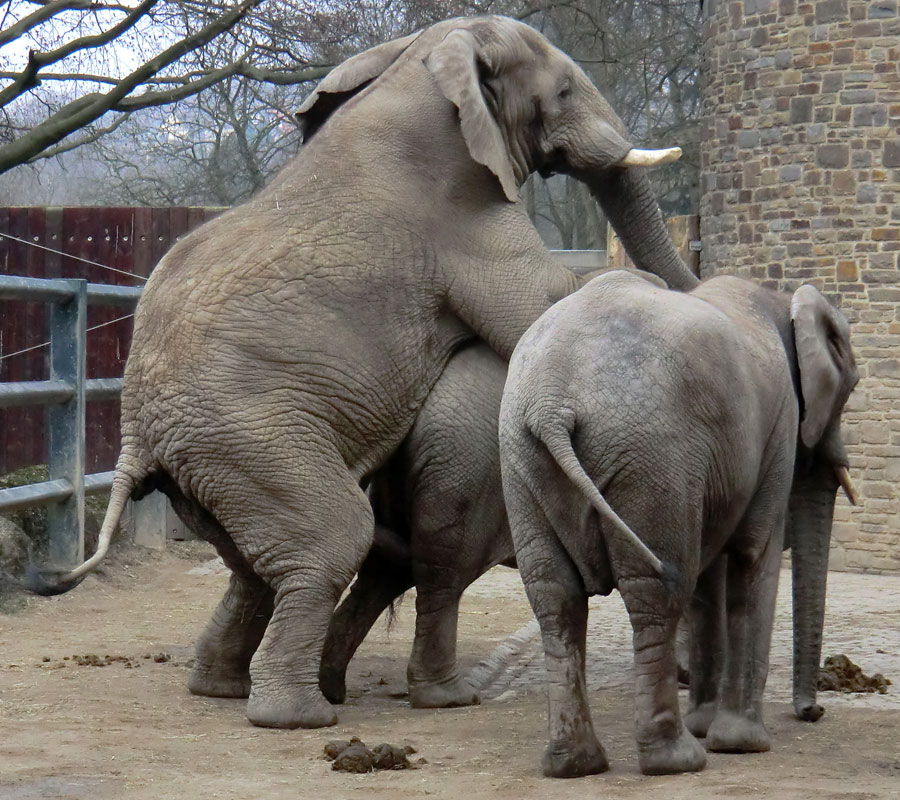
column 282, row 351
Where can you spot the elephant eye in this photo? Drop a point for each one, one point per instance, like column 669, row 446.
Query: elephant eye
column 565, row 90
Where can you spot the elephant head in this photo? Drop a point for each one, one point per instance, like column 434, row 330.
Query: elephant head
column 523, row 106
column 826, row 375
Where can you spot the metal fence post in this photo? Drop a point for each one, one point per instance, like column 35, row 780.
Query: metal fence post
column 65, row 520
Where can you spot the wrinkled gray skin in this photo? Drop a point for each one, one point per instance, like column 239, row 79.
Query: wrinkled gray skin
column 440, row 494
column 440, row 524
column 282, row 351
column 631, row 409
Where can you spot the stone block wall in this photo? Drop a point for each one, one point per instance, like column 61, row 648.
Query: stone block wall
column 800, row 164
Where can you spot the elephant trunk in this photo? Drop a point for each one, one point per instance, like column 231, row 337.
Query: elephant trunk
column 811, row 515
column 627, row 199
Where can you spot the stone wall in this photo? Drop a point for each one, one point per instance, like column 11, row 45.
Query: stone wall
column 800, row 179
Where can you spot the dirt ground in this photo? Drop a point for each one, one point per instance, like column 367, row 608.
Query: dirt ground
column 72, row 729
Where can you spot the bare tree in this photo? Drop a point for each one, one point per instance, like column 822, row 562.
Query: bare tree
column 120, row 57
column 217, row 121
column 76, row 72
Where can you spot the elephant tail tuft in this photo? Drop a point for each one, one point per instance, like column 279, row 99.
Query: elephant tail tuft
column 557, row 439
column 131, row 472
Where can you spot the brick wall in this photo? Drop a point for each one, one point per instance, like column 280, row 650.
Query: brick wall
column 800, row 165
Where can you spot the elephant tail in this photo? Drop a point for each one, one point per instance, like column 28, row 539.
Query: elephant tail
column 131, row 472
column 558, row 442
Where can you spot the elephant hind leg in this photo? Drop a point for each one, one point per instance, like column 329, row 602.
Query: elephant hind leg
column 671, row 528
column 223, row 652
column 305, row 526
column 557, row 596
column 459, row 540
column 380, row 581
column 752, row 584
column 432, row 673
column 665, row 746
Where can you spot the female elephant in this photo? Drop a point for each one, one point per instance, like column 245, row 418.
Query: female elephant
column 282, row 351
column 701, row 422
column 440, row 502
column 440, row 524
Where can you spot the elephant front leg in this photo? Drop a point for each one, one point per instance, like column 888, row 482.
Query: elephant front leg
column 223, row 652
column 665, row 746
column 738, row 724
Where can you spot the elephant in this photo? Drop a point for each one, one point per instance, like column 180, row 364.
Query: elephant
column 440, row 525
column 282, row 350
column 657, row 443
column 440, row 499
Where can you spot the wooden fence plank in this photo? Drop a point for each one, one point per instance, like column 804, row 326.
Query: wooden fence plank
column 128, row 239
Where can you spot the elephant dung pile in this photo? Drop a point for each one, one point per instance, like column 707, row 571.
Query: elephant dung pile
column 840, row 674
column 354, row 756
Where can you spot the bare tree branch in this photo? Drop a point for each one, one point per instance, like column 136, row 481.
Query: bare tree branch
column 65, row 77
column 88, row 139
column 44, row 13
column 29, row 78
column 78, row 113
column 278, row 77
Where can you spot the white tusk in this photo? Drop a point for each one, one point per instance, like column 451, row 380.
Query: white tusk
column 650, row 158
column 843, row 476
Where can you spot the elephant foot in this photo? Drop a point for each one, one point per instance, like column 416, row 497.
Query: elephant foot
column 698, row 719
column 290, row 709
column 574, row 760
column 211, row 682
column 667, row 757
column 333, row 684
column 808, row 710
column 733, row 733
column 450, row 694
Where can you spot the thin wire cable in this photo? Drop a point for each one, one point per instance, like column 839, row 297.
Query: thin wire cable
column 77, row 258
column 44, row 344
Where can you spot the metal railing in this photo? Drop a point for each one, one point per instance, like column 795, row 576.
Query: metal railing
column 66, row 393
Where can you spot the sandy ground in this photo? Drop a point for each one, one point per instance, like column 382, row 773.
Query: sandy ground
column 131, row 730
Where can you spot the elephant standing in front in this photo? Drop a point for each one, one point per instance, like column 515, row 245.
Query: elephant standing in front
column 282, row 351
column 652, row 442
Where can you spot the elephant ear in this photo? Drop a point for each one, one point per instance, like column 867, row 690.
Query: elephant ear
column 346, row 80
column 456, row 64
column 827, row 369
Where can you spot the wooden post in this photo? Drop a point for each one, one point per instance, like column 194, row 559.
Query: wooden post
column 685, row 233
column 152, row 520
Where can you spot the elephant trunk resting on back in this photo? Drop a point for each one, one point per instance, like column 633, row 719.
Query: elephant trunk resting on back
column 701, row 422
column 282, row 351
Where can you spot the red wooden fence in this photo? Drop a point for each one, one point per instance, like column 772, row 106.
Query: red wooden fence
column 48, row 243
